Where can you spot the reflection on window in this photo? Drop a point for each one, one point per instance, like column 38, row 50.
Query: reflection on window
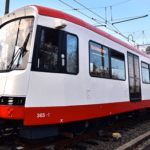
column 71, row 54
column 117, row 65
column 145, row 73
column 25, row 27
column 99, row 60
column 131, row 69
column 136, row 66
column 12, row 37
column 48, row 50
column 8, row 36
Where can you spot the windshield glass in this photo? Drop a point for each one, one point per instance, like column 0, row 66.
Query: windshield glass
column 12, row 38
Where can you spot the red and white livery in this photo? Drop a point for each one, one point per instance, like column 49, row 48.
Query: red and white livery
column 56, row 68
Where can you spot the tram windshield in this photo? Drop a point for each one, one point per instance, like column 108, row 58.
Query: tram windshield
column 15, row 41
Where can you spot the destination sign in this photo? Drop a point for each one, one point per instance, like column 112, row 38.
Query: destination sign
column 98, row 49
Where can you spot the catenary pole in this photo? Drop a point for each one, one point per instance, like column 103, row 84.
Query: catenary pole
column 7, row 7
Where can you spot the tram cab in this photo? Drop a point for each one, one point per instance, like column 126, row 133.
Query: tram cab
column 16, row 40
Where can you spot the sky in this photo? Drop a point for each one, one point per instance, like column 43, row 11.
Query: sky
column 138, row 29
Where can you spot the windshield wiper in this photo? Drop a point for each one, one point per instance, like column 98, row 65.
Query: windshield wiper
column 18, row 55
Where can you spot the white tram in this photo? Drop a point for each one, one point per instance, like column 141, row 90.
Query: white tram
column 56, row 68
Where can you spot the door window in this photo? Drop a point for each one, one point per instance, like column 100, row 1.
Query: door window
column 134, row 77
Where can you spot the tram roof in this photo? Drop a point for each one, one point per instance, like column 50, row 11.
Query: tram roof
column 62, row 15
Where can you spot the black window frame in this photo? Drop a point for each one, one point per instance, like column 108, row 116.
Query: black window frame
column 30, row 38
column 36, row 51
column 61, row 50
column 134, row 55
column 109, row 58
column 124, row 64
column 106, row 77
column 77, row 54
column 142, row 73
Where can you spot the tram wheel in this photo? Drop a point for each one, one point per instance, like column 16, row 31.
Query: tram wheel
column 79, row 127
column 111, row 120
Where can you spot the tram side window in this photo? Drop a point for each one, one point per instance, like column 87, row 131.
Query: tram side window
column 72, row 47
column 145, row 73
column 99, row 60
column 117, row 65
column 48, row 50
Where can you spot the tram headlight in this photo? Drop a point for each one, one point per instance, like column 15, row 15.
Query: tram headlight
column 12, row 100
column 2, row 100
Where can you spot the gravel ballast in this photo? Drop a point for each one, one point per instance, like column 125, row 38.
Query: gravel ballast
column 127, row 134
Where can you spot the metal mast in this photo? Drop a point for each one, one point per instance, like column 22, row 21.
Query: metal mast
column 7, row 7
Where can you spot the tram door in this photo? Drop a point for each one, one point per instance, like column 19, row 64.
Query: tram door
column 134, row 78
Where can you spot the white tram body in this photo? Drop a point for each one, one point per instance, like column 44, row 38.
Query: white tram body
column 105, row 75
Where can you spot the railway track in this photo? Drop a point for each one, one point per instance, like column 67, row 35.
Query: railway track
column 10, row 141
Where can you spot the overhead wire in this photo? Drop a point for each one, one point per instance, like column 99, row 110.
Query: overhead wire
column 118, row 32
column 101, row 7
column 138, row 36
column 107, row 24
column 125, row 18
column 2, row 12
column 129, row 19
column 142, row 37
column 79, row 11
column 86, row 15
column 145, row 37
column 139, row 17
column 135, row 31
column 105, row 20
column 90, row 10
